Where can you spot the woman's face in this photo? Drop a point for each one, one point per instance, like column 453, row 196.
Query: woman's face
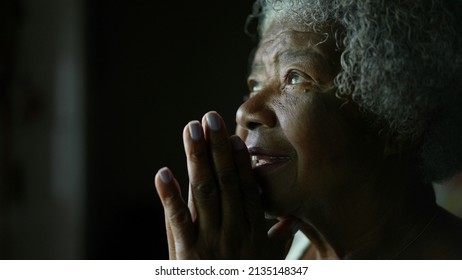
column 310, row 149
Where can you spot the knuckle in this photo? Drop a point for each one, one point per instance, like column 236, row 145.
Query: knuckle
column 204, row 190
column 179, row 217
column 219, row 144
column 227, row 176
column 197, row 155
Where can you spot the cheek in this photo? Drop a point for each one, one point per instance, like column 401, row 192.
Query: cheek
column 296, row 119
column 321, row 137
column 315, row 123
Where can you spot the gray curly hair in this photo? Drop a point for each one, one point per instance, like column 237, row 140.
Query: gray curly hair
column 401, row 62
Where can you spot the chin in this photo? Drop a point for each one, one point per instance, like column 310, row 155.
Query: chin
column 271, row 210
column 274, row 207
column 278, row 199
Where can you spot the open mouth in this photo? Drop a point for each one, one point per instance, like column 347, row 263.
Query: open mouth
column 267, row 160
column 260, row 160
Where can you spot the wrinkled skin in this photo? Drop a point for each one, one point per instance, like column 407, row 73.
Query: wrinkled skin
column 225, row 218
column 317, row 166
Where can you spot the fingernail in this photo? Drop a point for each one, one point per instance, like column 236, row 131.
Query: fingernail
column 213, row 121
column 237, row 143
column 195, row 130
column 165, row 175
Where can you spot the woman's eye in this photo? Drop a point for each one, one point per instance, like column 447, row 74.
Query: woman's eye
column 255, row 87
column 295, row 78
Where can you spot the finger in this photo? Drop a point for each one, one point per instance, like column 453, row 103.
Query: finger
column 219, row 145
column 176, row 212
column 281, row 236
column 191, row 206
column 203, row 185
column 170, row 240
column 249, row 190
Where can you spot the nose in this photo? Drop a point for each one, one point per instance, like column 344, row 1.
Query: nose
column 255, row 112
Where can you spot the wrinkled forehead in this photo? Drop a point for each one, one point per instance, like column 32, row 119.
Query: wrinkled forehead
column 275, row 22
column 283, row 49
column 269, row 23
column 280, row 38
column 290, row 32
column 287, row 26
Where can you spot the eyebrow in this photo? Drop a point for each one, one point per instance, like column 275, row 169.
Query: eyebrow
column 310, row 55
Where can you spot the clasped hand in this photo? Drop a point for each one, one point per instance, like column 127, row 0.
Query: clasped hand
column 224, row 217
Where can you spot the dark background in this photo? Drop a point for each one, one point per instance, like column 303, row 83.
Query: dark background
column 77, row 179
column 153, row 68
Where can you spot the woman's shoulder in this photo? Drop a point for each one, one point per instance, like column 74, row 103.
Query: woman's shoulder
column 442, row 240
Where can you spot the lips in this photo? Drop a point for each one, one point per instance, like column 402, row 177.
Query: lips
column 266, row 161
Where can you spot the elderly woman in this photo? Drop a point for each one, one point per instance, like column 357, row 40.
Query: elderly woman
column 353, row 113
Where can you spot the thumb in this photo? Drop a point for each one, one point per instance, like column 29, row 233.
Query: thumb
column 281, row 236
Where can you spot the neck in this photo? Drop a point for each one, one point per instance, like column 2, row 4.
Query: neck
column 378, row 224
